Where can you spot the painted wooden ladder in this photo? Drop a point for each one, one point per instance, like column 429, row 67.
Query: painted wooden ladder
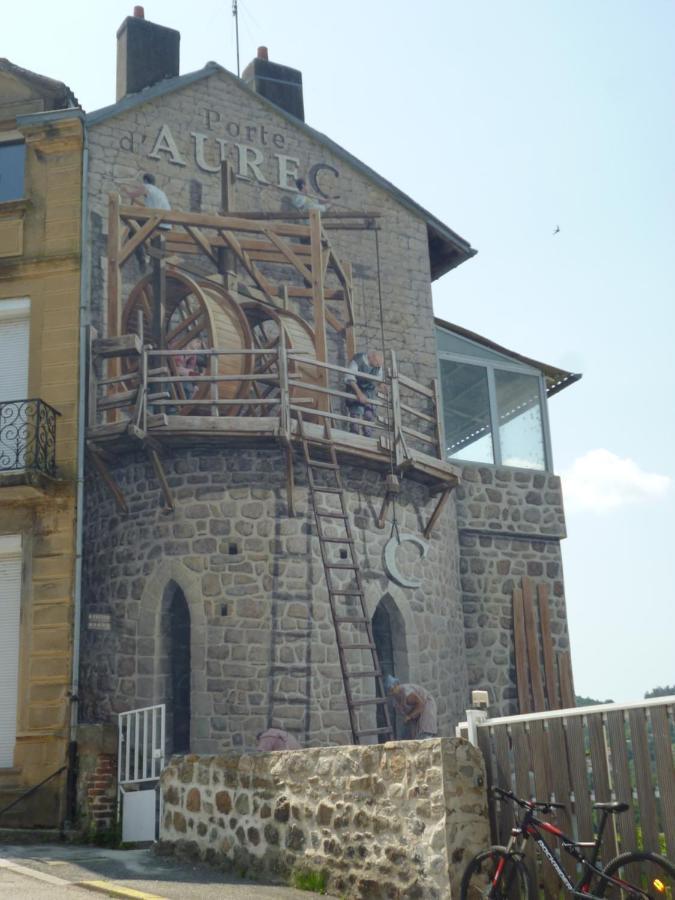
column 343, row 580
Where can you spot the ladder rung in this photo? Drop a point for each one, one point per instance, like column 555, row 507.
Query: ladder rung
column 295, row 633
column 326, row 490
column 358, row 646
column 345, row 620
column 332, row 515
column 346, row 593
column 292, row 701
column 316, row 440
column 333, row 540
column 344, row 565
column 376, row 731
column 317, row 464
column 288, row 668
column 372, row 701
column 369, row 674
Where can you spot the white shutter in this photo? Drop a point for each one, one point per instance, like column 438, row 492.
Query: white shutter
column 10, row 614
column 14, row 334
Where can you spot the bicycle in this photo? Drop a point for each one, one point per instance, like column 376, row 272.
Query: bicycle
column 500, row 872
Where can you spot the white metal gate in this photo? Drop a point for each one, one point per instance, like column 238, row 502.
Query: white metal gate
column 140, row 760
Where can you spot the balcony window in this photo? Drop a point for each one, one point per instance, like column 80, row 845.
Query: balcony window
column 493, row 406
column 12, row 164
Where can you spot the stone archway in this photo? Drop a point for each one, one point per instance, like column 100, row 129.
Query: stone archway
column 172, row 649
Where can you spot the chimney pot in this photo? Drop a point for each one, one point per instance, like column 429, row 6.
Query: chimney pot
column 139, row 12
column 262, row 53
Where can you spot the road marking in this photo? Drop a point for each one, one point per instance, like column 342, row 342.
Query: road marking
column 112, row 890
column 32, row 873
column 109, row 888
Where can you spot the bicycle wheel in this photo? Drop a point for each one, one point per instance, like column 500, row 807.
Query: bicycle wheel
column 645, row 874
column 479, row 875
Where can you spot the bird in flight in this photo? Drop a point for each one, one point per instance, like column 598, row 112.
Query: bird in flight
column 557, row 229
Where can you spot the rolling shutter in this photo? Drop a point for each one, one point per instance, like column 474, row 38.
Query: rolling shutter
column 14, row 333
column 10, row 614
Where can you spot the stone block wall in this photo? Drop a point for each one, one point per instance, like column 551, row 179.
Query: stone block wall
column 399, row 820
column 511, row 522
column 250, row 574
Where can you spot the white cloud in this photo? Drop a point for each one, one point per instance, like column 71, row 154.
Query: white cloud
column 601, row 481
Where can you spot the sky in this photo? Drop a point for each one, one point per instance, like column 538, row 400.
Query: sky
column 506, row 120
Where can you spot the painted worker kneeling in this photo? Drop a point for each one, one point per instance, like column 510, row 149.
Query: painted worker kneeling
column 276, row 739
column 416, row 706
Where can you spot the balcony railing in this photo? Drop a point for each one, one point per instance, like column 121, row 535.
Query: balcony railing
column 27, row 436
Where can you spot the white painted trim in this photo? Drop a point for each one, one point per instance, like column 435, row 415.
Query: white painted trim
column 15, row 309
column 580, row 711
column 10, row 545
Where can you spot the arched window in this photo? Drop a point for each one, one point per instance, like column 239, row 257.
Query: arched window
column 176, row 668
column 390, row 643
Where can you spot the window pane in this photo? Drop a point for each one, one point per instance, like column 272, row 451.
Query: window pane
column 466, row 412
column 521, row 436
column 11, row 171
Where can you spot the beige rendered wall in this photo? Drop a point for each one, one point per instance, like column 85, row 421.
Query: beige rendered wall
column 48, row 273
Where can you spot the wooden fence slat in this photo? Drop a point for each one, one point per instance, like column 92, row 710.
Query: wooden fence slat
column 503, row 776
column 523, row 765
column 625, row 825
column 665, row 774
column 520, row 648
column 543, row 777
column 485, row 746
column 574, row 732
column 552, row 693
column 601, row 778
column 643, row 779
column 561, row 776
column 532, row 637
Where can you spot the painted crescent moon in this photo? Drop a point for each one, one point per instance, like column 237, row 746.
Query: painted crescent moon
column 390, row 564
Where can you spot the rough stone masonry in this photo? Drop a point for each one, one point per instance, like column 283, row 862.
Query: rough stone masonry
column 392, row 821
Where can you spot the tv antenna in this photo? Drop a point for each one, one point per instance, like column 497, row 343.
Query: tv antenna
column 235, row 13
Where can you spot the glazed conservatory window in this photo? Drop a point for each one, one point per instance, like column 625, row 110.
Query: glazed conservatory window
column 521, row 433
column 12, row 159
column 492, row 411
column 466, row 411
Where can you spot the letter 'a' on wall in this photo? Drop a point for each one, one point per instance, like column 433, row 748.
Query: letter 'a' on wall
column 10, row 614
column 14, row 334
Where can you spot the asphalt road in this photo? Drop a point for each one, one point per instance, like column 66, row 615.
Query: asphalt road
column 74, row 872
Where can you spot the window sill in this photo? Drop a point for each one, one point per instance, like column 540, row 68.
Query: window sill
column 8, row 208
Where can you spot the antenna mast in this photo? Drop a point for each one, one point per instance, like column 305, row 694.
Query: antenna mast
column 235, row 13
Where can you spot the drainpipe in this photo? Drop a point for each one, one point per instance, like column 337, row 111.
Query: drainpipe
column 71, row 790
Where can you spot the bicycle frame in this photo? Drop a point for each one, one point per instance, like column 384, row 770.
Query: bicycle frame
column 530, row 827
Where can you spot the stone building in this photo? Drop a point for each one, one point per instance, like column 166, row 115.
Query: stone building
column 41, row 141
column 203, row 579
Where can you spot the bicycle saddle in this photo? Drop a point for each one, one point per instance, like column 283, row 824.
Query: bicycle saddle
column 613, row 806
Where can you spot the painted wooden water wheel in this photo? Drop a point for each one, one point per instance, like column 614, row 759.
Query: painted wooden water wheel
column 266, row 326
column 198, row 316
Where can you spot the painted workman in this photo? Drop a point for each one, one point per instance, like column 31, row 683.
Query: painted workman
column 153, row 198
column 276, row 739
column 416, row 707
column 303, row 202
column 364, row 389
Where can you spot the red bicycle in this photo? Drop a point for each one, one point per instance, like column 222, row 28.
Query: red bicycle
column 500, row 872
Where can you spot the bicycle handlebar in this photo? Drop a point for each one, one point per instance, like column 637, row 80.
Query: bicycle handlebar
column 544, row 806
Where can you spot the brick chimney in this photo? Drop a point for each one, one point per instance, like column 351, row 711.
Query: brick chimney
column 280, row 84
column 146, row 53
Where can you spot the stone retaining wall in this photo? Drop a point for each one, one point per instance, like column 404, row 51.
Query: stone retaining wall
column 399, row 820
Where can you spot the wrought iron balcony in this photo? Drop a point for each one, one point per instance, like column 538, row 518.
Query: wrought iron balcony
column 27, row 436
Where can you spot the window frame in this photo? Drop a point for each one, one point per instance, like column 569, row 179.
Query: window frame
column 15, row 140
column 508, row 366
